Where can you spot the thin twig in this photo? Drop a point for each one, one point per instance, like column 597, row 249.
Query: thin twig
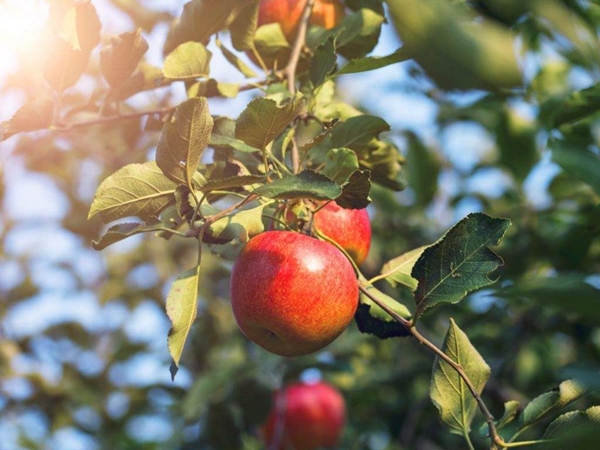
column 212, row 219
column 457, row 367
column 290, row 70
column 292, row 65
column 405, row 323
column 489, row 418
column 138, row 114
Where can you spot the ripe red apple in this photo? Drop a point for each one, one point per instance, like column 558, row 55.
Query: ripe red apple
column 350, row 228
column 288, row 13
column 325, row 13
column 292, row 294
column 305, row 417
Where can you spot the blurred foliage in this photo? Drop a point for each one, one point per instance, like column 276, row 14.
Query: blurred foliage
column 91, row 377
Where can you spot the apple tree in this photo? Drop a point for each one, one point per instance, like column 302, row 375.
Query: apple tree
column 472, row 323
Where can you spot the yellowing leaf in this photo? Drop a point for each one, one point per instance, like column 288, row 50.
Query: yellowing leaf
column 182, row 305
column 140, row 190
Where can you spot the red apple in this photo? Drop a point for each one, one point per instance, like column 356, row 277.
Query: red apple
column 305, row 417
column 325, row 13
column 350, row 228
column 292, row 294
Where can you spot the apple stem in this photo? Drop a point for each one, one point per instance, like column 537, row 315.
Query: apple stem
column 411, row 328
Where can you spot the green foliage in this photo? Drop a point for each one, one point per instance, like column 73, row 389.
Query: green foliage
column 448, row 390
column 550, row 402
column 140, row 190
column 306, row 184
column 183, row 140
column 459, row 262
column 217, row 181
column 181, row 309
column 455, row 53
column 575, row 428
column 264, row 119
column 189, row 60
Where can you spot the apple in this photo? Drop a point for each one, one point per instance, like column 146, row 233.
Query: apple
column 288, row 13
column 350, row 228
column 305, row 417
column 292, row 294
column 325, row 13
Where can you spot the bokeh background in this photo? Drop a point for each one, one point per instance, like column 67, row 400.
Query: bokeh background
column 83, row 355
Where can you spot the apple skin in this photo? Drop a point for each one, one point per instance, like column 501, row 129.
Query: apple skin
column 292, row 294
column 313, row 417
column 350, row 228
column 325, row 13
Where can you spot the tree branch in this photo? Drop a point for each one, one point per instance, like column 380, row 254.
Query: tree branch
column 409, row 325
column 290, row 70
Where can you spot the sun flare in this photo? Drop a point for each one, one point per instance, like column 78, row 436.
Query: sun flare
column 21, row 23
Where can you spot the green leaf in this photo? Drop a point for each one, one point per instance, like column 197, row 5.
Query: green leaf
column 580, row 163
column 323, row 62
column 384, row 161
column 223, row 136
column 188, row 61
column 358, row 65
column 511, row 411
column 575, row 430
column 316, row 141
column 516, row 138
column 236, row 62
column 355, row 192
column 306, row 184
column 423, row 168
column 201, row 19
column 140, row 190
column 573, row 107
column 398, row 270
column 241, row 225
column 338, row 164
column 358, row 33
column 244, row 26
column 34, row 115
column 212, row 88
column 232, row 182
column 459, row 262
column 448, row 391
column 271, row 44
column 184, row 139
column 565, row 293
column 263, row 119
column 121, row 56
column 372, row 319
column 551, row 402
column 357, row 132
column 182, row 306
column 122, row 231
column 454, row 50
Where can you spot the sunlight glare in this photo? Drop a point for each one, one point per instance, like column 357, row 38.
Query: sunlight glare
column 21, row 23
